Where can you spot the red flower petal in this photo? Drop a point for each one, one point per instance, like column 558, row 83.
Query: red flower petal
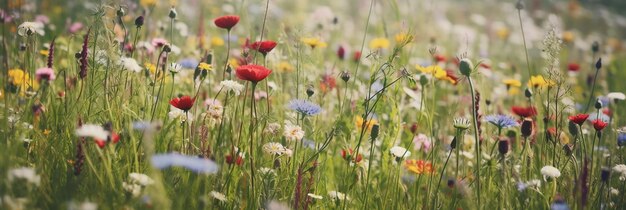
column 183, row 103
column 227, row 22
column 252, row 73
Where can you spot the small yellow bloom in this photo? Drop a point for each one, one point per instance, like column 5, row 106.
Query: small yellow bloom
column 568, row 36
column 205, row 66
column 46, row 132
column 18, row 77
column 147, row 3
column 284, row 66
column 404, row 38
column 44, row 53
column 369, row 124
column 216, row 41
column 379, row 43
column 437, row 72
column 512, row 83
column 314, row 42
column 150, row 67
column 540, row 82
column 503, row 32
column 233, row 63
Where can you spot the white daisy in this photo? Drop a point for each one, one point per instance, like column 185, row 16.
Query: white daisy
column 30, row 28
column 230, row 85
column 293, row 132
column 94, row 131
column 274, row 148
column 399, row 152
column 550, row 172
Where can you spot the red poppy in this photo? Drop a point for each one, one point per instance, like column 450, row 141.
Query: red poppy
column 341, row 52
column 450, row 74
column 599, row 124
column 607, row 112
column 230, row 160
column 356, row 56
column 328, row 83
column 524, row 112
column 348, row 155
column 227, row 22
column 439, row 58
column 253, row 73
column 573, row 67
column 183, row 103
column 263, row 47
column 579, row 118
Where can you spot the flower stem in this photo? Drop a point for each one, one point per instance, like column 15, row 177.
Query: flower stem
column 474, row 118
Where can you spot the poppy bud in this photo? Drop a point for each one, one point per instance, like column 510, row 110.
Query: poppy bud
column 167, row 48
column 527, row 127
column 423, row 80
column 341, row 52
column 595, row 47
column 453, row 143
column 528, row 93
column 503, row 146
column 451, row 183
column 375, row 130
column 345, row 76
column 139, row 21
column 465, row 66
column 414, row 128
column 121, row 12
column 598, row 104
column 605, row 174
column 172, row 13
column 310, row 91
column 599, row 63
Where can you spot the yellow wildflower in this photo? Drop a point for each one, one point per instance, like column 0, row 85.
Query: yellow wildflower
column 539, row 81
column 44, row 53
column 233, row 63
column 419, row 166
column 512, row 83
column 314, row 42
column 503, row 32
column 150, row 67
column 216, row 41
column 205, row 66
column 284, row 66
column 369, row 124
column 404, row 38
column 437, row 72
column 568, row 36
column 147, row 3
column 379, row 43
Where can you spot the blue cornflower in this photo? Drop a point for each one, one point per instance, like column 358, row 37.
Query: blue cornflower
column 501, row 121
column 305, row 107
column 193, row 163
column 188, row 63
column 621, row 139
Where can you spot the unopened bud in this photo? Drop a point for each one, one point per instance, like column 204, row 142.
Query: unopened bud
column 310, row 91
column 598, row 104
column 599, row 63
column 528, row 93
column 345, row 76
column 527, row 127
column 465, row 66
column 121, row 12
column 167, row 48
column 503, row 146
column 595, row 47
column 519, row 5
column 173, row 13
column 139, row 21
column 375, row 130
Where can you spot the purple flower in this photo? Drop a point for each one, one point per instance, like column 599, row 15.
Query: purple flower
column 188, row 63
column 305, row 107
column 501, row 121
column 193, row 163
column 621, row 139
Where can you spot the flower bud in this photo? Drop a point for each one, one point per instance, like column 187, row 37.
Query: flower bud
column 595, row 47
column 605, row 174
column 172, row 13
column 453, row 144
column 310, row 91
column 121, row 12
column 598, row 104
column 423, row 80
column 167, row 48
column 465, row 66
column 139, row 21
column 528, row 93
column 375, row 130
column 341, row 52
column 345, row 76
column 503, row 146
column 599, row 63
column 527, row 127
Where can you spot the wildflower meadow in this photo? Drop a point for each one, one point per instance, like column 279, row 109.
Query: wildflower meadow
column 301, row 104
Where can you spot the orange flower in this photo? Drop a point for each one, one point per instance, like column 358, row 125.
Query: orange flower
column 419, row 166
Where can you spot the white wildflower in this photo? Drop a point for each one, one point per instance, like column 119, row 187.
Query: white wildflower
column 230, row 85
column 30, row 28
column 274, row 148
column 550, row 172
column 399, row 152
column 314, row 196
column 140, row 179
column 28, row 174
column 293, row 132
column 218, row 196
column 621, row 169
column 337, row 196
column 130, row 64
column 93, row 131
column 616, row 96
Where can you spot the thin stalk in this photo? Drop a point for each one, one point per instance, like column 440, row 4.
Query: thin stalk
column 474, row 118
